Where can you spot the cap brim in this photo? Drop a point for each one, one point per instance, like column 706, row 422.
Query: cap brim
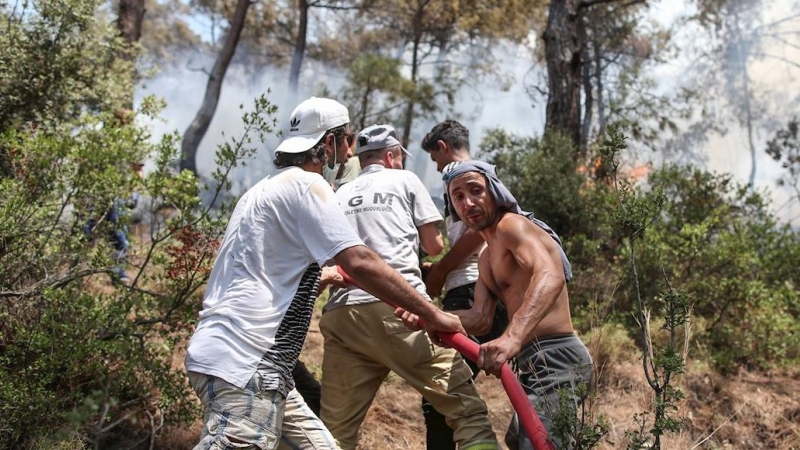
column 299, row 144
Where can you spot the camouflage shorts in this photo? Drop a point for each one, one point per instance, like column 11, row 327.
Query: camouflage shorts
column 253, row 419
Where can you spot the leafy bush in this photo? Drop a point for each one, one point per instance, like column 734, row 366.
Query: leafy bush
column 82, row 352
column 86, row 359
column 60, row 57
column 546, row 180
column 719, row 242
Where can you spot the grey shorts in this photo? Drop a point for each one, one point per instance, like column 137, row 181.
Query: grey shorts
column 544, row 368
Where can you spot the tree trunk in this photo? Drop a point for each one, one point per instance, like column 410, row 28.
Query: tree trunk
column 131, row 14
column 299, row 50
column 749, row 123
column 197, row 129
column 588, row 96
column 562, row 49
column 599, row 87
column 743, row 52
column 414, row 69
column 361, row 119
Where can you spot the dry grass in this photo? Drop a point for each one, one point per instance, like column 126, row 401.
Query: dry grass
column 744, row 411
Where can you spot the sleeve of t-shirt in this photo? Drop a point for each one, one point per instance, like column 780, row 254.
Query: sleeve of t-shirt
column 322, row 225
column 425, row 210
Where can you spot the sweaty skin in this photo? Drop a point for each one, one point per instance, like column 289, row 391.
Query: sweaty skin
column 521, row 267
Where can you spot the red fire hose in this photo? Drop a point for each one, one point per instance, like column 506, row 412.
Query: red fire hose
column 528, row 419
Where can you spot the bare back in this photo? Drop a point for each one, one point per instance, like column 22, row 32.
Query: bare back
column 522, row 268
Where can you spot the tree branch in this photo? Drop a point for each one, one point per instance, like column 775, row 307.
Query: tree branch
column 778, row 22
column 779, row 58
column 197, row 69
column 590, row 3
column 333, row 5
column 58, row 283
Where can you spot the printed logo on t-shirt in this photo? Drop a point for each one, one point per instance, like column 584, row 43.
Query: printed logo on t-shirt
column 361, row 184
column 380, row 201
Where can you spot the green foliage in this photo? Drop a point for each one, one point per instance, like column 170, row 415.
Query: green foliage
column 636, row 211
column 373, row 81
column 80, row 352
column 580, row 428
column 59, row 57
column 720, row 243
column 547, row 181
column 635, row 214
column 83, row 355
column 379, row 92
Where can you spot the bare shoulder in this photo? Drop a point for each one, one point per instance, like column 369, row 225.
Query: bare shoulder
column 515, row 231
column 511, row 221
column 512, row 227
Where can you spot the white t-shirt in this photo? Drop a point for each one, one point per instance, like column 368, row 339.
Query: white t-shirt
column 385, row 207
column 260, row 293
column 467, row 271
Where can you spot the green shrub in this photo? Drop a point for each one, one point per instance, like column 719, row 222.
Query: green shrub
column 720, row 243
column 81, row 352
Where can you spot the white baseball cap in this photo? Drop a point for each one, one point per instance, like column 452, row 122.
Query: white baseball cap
column 309, row 122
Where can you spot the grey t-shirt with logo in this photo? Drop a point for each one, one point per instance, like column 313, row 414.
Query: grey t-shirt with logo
column 385, row 207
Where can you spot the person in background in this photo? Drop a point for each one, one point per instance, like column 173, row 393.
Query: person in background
column 350, row 171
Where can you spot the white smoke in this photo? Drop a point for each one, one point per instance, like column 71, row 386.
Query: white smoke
column 479, row 107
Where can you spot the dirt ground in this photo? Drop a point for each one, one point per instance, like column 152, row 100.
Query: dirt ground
column 742, row 411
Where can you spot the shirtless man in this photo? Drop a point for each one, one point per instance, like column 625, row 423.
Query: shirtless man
column 525, row 267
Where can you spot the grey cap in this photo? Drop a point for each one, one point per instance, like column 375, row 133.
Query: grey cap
column 377, row 137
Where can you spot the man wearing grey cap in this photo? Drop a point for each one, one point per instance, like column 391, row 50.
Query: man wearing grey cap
column 260, row 294
column 394, row 214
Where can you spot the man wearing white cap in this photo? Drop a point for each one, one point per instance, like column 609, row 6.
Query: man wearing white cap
column 261, row 291
column 394, row 214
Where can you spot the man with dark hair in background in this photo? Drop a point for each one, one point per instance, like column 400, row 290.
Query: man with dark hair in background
column 457, row 271
column 260, row 294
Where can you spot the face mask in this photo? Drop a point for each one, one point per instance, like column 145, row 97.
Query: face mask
column 328, row 173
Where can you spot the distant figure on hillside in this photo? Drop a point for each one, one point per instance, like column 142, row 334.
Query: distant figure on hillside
column 393, row 213
column 260, row 294
column 525, row 268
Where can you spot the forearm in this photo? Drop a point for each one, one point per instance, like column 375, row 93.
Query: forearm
column 468, row 244
column 373, row 275
column 430, row 238
column 478, row 320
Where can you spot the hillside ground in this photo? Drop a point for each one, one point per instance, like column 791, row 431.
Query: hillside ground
column 742, row 411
